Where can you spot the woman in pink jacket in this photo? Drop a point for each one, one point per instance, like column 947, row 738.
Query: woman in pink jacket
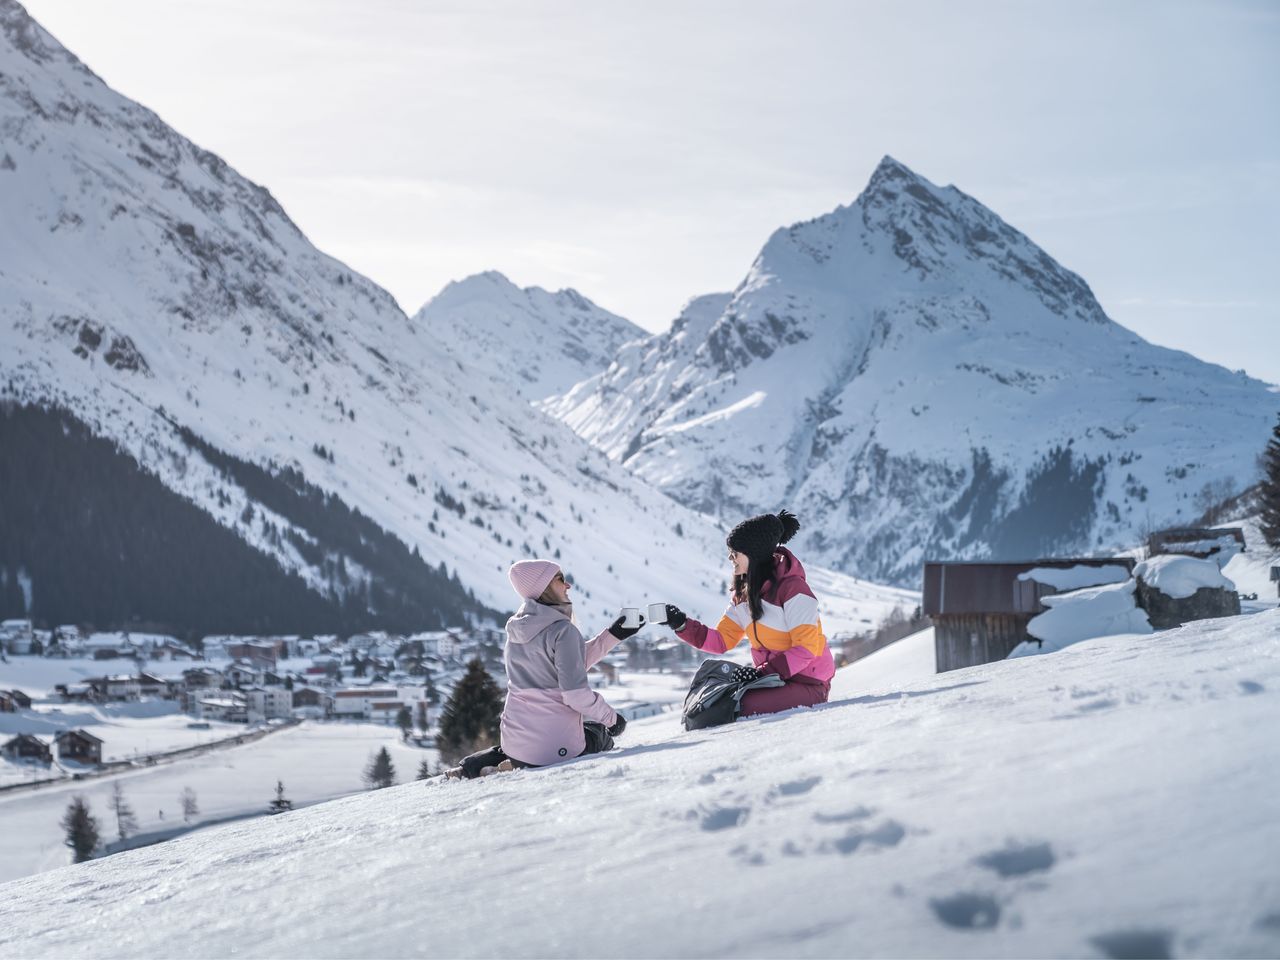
column 551, row 713
column 774, row 609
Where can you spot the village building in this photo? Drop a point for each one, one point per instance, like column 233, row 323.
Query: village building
column 385, row 711
column 118, row 687
column 260, row 653
column 311, row 703
column 17, row 637
column 444, row 644
column 80, row 746
column 268, row 703
column 11, row 701
column 199, row 678
column 245, row 673
column 76, row 692
column 359, row 703
column 225, row 705
column 25, row 746
column 1199, row 542
column 980, row 611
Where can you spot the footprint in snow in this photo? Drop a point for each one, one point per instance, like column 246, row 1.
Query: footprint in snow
column 967, row 911
column 1251, row 686
column 1018, row 860
column 1135, row 944
column 888, row 834
column 857, row 813
column 723, row 818
column 795, row 788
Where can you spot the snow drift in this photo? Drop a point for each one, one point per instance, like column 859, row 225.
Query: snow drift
column 1114, row 799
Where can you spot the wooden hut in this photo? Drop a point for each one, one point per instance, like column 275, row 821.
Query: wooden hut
column 79, row 745
column 1200, row 542
column 980, row 611
column 27, row 747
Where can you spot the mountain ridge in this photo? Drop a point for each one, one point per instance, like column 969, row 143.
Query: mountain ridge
column 927, row 380
column 154, row 293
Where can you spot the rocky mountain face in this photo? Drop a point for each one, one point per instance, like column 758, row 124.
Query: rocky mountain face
column 922, row 380
column 161, row 302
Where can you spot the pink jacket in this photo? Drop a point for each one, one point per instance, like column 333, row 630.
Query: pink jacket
column 548, row 696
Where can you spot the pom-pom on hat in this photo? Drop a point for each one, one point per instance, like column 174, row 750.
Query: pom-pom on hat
column 760, row 536
column 531, row 577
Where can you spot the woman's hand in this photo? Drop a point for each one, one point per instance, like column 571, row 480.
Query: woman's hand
column 619, row 725
column 621, row 632
column 676, row 618
column 747, row 675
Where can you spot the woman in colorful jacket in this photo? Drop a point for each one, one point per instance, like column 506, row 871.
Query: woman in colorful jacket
column 773, row 607
column 551, row 713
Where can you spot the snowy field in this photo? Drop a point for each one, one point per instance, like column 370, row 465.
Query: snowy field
column 1114, row 799
column 316, row 761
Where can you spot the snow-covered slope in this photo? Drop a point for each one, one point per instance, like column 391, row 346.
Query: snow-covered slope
column 149, row 289
column 528, row 340
column 1114, row 799
column 926, row 380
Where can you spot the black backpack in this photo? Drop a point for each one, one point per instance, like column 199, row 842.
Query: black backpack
column 715, row 698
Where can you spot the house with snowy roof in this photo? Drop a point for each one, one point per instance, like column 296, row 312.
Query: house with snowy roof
column 1222, row 543
column 16, row 636
column 980, row 611
column 11, row 701
column 80, row 746
column 26, row 746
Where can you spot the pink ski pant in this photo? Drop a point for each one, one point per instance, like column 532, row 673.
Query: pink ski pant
column 800, row 692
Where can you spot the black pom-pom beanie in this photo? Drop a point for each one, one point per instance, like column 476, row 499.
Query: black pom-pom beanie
column 760, row 536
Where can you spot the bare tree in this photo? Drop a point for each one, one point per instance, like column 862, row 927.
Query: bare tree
column 126, row 820
column 189, row 806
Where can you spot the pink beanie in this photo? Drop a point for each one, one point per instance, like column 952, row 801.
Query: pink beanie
column 531, row 577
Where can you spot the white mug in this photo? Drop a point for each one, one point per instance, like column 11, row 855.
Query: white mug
column 657, row 613
column 631, row 617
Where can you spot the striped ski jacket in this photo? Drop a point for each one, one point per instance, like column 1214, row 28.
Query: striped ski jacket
column 787, row 639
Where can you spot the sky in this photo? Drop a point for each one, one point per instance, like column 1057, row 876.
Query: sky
column 642, row 153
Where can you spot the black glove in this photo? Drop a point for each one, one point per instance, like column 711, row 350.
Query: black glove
column 621, row 632
column 618, row 727
column 747, row 674
column 676, row 618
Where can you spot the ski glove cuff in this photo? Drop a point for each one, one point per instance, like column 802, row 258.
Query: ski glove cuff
column 676, row 618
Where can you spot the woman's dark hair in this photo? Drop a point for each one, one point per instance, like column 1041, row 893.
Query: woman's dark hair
column 758, row 537
column 750, row 585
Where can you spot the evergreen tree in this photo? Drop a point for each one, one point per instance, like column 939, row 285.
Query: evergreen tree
column 404, row 720
column 380, row 772
column 424, row 770
column 1270, row 494
column 469, row 719
column 126, row 820
column 189, row 806
column 82, row 829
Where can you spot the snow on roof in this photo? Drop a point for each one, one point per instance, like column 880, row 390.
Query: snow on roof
column 1075, row 577
column 1082, row 615
column 1179, row 576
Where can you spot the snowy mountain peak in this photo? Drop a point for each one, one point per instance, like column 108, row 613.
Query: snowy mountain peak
column 921, row 376
column 541, row 342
